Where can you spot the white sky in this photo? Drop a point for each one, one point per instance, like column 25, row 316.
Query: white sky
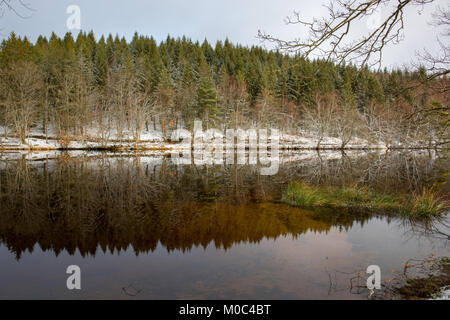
column 239, row 20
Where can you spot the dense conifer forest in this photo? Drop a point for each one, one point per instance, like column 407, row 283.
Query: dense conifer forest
column 67, row 86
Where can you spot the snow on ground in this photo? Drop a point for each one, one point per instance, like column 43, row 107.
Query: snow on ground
column 153, row 140
column 443, row 294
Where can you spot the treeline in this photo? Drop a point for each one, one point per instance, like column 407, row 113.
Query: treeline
column 120, row 88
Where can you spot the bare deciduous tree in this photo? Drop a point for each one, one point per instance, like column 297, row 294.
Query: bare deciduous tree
column 319, row 118
column 346, row 122
column 15, row 6
column 233, row 99
column 22, row 88
column 331, row 37
column 438, row 63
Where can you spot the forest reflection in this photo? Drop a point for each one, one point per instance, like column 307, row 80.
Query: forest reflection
column 111, row 201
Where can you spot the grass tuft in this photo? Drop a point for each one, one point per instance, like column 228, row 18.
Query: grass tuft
column 427, row 204
column 302, row 195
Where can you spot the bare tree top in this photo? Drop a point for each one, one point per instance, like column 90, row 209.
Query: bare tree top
column 330, row 37
column 15, row 6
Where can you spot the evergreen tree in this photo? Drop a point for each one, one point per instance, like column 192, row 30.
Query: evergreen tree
column 101, row 62
column 207, row 98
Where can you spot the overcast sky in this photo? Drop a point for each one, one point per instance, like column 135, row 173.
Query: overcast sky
column 239, row 20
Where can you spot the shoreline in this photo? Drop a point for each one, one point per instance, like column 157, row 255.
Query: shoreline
column 286, row 142
column 170, row 146
column 119, row 148
column 182, row 140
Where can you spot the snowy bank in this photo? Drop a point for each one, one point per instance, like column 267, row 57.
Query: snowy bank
column 153, row 140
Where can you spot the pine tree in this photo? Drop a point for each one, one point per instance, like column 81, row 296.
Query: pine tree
column 101, row 62
column 207, row 98
column 346, row 91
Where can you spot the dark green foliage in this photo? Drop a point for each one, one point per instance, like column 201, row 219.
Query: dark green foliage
column 184, row 67
column 207, row 97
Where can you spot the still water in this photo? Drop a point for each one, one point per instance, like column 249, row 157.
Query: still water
column 143, row 226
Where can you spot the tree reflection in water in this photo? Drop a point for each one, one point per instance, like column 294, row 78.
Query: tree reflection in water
column 111, row 201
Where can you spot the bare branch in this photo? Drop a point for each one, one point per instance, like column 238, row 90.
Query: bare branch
column 15, row 6
column 330, row 37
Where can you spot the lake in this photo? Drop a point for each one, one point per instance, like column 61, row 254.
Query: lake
column 147, row 226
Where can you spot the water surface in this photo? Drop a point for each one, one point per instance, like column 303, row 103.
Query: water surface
column 143, row 226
